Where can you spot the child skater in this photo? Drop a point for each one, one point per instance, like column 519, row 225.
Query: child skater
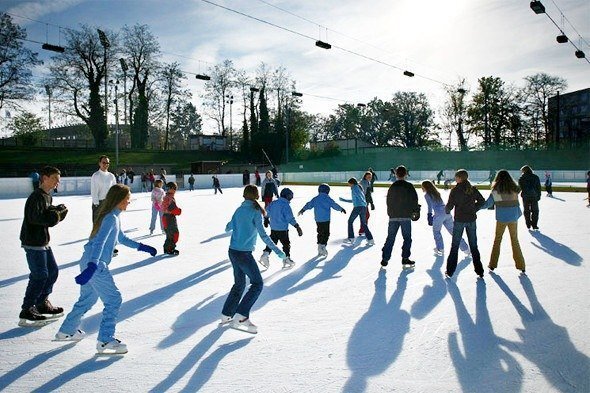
column 466, row 200
column 96, row 280
column 321, row 205
column 268, row 188
column 157, row 199
column 440, row 218
column 367, row 185
column 245, row 222
column 505, row 197
column 359, row 210
column 548, row 184
column 280, row 216
column 216, row 184
column 170, row 211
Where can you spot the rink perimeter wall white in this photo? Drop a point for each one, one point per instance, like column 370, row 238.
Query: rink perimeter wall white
column 21, row 187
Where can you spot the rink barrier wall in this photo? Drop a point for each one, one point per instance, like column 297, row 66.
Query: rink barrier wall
column 21, row 187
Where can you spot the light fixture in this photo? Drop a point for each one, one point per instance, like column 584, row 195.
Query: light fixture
column 254, row 90
column 53, row 48
column 322, row 44
column 408, row 73
column 562, row 38
column 580, row 54
column 203, row 77
column 104, row 41
column 361, row 105
column 123, row 64
column 296, row 94
column 461, row 90
column 537, row 7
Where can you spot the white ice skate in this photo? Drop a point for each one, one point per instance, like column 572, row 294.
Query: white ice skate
column 77, row 336
column 113, row 347
column 350, row 240
column 288, row 263
column 243, row 324
column 224, row 320
column 264, row 260
column 370, row 242
column 322, row 250
column 438, row 251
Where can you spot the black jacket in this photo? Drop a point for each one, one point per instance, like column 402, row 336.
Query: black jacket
column 39, row 216
column 530, row 185
column 402, row 199
column 465, row 205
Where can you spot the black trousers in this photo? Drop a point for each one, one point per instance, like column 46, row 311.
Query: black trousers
column 531, row 212
column 323, row 232
column 283, row 237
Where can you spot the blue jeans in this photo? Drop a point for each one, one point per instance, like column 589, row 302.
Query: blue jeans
column 360, row 211
column 44, row 272
column 446, row 220
column 102, row 286
column 392, row 229
column 244, row 265
column 156, row 214
column 470, row 228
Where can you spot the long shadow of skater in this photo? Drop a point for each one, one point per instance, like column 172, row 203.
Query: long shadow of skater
column 193, row 357
column 556, row 249
column 137, row 265
column 546, row 344
column 86, row 367
column 217, row 237
column 13, row 280
column 151, row 299
column 31, row 364
column 377, row 338
column 482, row 366
column 433, row 294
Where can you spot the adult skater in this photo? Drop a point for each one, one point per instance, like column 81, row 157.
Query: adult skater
column 191, row 182
column 548, row 184
column 269, row 188
column 245, row 223
column 530, row 186
column 216, row 184
column 504, row 196
column 39, row 215
column 96, row 280
column 100, row 183
column 402, row 202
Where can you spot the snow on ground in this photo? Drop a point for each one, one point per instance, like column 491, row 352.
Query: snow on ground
column 339, row 324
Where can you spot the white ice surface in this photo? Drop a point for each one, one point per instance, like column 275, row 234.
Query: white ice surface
column 335, row 325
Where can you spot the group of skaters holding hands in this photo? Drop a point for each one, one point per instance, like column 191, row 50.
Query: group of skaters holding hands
column 247, row 223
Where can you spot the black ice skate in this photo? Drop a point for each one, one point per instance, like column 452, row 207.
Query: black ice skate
column 407, row 263
column 51, row 311
column 31, row 318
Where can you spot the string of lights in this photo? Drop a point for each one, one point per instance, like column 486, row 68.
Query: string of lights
column 570, row 23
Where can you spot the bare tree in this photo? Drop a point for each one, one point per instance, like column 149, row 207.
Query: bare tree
column 223, row 80
column 171, row 78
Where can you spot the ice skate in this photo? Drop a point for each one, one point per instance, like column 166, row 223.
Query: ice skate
column 31, row 318
column 407, row 263
column 288, row 263
column 264, row 259
column 51, row 311
column 225, row 320
column 172, row 252
column 243, row 324
column 77, row 336
column 438, row 251
column 384, row 262
column 448, row 276
column 322, row 250
column 350, row 240
column 113, row 347
column 370, row 242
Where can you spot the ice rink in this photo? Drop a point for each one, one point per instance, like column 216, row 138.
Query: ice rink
column 339, row 324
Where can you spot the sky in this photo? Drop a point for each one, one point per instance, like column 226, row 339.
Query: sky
column 441, row 42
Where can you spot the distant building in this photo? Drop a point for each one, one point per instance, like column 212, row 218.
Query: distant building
column 571, row 124
column 208, row 142
column 341, row 144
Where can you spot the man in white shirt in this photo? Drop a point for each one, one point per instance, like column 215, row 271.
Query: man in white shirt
column 100, row 183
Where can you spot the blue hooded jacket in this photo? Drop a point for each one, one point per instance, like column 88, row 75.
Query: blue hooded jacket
column 245, row 223
column 358, row 196
column 322, row 203
column 280, row 215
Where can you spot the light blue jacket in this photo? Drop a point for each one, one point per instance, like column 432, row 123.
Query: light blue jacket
column 244, row 224
column 438, row 207
column 507, row 206
column 280, row 215
column 321, row 204
column 358, row 197
column 100, row 247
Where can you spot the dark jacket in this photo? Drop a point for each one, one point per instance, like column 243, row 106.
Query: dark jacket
column 402, row 199
column 465, row 205
column 530, row 185
column 39, row 216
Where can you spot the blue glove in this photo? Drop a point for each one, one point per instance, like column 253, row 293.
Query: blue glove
column 86, row 274
column 149, row 249
column 430, row 219
column 281, row 255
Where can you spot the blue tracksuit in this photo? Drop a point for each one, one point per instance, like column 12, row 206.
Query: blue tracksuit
column 99, row 250
column 280, row 215
column 322, row 203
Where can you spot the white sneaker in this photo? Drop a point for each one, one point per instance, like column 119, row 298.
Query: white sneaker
column 438, row 251
column 77, row 336
column 112, row 347
column 370, row 242
column 350, row 240
column 288, row 263
column 224, row 320
column 264, row 260
column 244, row 324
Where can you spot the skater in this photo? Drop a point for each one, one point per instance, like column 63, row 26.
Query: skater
column 170, row 210
column 548, row 184
column 530, row 186
column 39, row 215
column 402, row 202
column 246, row 177
column 34, row 175
column 367, row 185
column 392, row 175
column 216, row 184
column 157, row 199
column 321, row 205
column 95, row 279
column 245, row 222
column 144, row 180
column 359, row 210
column 491, row 176
column 466, row 200
column 191, row 182
column 280, row 215
column 504, row 196
column 440, row 175
column 257, row 177
column 100, row 183
column 268, row 188
column 373, row 178
column 438, row 217
column 151, row 180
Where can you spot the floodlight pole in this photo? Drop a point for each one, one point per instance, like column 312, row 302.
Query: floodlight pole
column 48, row 90
column 104, row 41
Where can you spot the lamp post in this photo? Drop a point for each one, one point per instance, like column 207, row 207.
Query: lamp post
column 104, row 41
column 230, row 101
column 124, row 68
column 48, row 90
column 116, row 84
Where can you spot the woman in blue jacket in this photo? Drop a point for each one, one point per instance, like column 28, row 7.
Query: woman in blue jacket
column 96, row 280
column 244, row 225
column 359, row 210
column 505, row 197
